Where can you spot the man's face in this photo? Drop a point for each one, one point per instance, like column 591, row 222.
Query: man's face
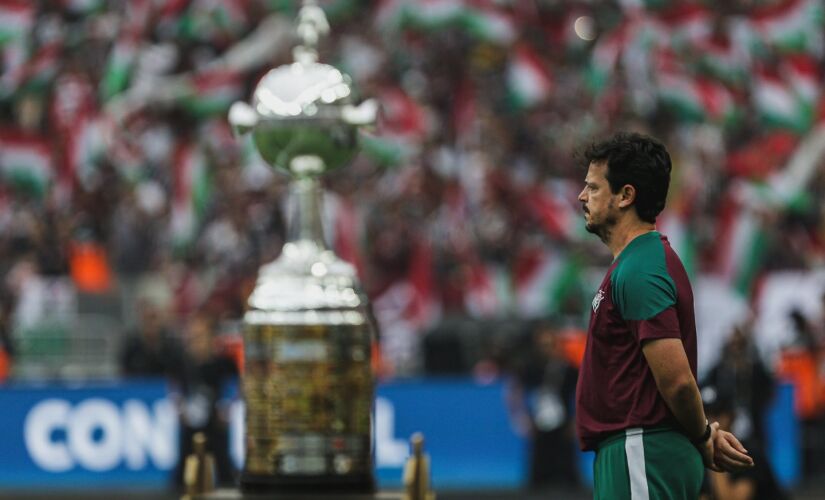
column 599, row 203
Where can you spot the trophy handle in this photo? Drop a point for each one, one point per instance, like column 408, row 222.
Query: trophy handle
column 242, row 118
column 363, row 114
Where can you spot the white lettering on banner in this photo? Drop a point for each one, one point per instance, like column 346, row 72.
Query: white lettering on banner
column 389, row 451
column 99, row 436
column 95, row 434
column 48, row 416
column 156, row 437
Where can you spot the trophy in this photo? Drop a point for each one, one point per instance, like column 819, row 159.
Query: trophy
column 307, row 381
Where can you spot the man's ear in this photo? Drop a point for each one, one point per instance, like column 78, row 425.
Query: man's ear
column 627, row 195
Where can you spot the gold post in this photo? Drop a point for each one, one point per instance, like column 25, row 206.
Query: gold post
column 417, row 472
column 199, row 469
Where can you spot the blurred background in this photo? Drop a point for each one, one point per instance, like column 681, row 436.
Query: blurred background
column 133, row 224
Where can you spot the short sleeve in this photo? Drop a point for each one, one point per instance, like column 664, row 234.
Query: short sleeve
column 664, row 325
column 645, row 296
column 643, row 293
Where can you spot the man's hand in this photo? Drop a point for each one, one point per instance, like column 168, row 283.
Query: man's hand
column 728, row 453
column 708, row 448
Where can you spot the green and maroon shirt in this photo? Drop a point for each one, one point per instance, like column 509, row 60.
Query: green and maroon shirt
column 645, row 295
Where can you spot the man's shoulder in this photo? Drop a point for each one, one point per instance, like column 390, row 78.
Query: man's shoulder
column 644, row 258
column 642, row 286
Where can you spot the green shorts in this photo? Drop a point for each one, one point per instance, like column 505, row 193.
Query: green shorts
column 647, row 464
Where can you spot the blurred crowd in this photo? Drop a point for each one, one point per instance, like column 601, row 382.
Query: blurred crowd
column 120, row 171
column 121, row 179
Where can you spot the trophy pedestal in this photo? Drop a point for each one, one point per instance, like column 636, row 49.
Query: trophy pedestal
column 352, row 484
column 234, row 494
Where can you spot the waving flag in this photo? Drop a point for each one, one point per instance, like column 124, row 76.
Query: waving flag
column 487, row 23
column 16, row 21
column 26, row 162
column 684, row 24
column 760, row 157
column 697, row 99
column 780, row 104
column 212, row 92
column 675, row 225
column 119, row 67
column 528, row 80
column 390, row 15
column 85, row 146
column 192, row 192
column 604, row 59
column 39, row 72
column 557, row 210
column 543, row 280
column 802, row 73
column 724, row 60
column 209, row 20
column 434, row 14
column 16, row 18
column 478, row 19
column 488, row 291
column 742, row 243
column 791, row 25
column 403, row 125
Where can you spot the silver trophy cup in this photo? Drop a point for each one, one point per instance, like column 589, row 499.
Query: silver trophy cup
column 307, row 380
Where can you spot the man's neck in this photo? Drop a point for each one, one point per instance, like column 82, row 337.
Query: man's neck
column 625, row 231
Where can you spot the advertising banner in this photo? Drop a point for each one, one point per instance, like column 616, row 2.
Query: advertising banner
column 125, row 434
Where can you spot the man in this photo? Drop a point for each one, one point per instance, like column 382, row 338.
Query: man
column 540, row 398
column 637, row 402
column 151, row 351
column 205, row 374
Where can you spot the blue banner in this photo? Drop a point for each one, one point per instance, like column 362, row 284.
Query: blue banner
column 125, row 434
column 782, row 434
column 466, row 428
column 95, row 436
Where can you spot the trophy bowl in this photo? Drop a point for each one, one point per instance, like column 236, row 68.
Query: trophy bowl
column 303, row 109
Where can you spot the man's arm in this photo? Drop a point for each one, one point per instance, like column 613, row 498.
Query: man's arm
column 671, row 370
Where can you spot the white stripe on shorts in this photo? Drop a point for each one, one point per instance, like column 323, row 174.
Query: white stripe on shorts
column 635, row 450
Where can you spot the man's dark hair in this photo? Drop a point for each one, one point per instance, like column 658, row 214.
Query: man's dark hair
column 638, row 160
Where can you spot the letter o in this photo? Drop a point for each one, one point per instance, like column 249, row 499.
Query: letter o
column 101, row 454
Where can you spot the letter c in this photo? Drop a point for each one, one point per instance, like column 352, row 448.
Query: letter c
column 45, row 417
